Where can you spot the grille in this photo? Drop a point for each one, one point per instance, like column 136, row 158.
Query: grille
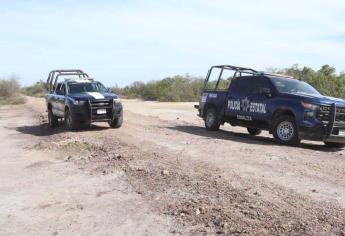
column 100, row 104
column 340, row 114
column 324, row 112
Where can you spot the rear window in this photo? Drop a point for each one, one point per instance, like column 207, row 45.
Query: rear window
column 249, row 85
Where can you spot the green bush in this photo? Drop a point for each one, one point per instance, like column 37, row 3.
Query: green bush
column 187, row 88
column 171, row 89
column 9, row 88
column 39, row 89
column 325, row 80
column 10, row 92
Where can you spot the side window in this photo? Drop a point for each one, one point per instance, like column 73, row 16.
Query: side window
column 241, row 86
column 261, row 85
column 58, row 87
column 63, row 89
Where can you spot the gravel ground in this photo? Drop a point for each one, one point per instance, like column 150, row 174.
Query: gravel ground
column 188, row 180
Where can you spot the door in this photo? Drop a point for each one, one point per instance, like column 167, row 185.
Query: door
column 260, row 96
column 59, row 103
column 248, row 100
column 54, row 100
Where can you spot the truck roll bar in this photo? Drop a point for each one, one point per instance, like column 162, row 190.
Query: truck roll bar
column 238, row 73
column 55, row 74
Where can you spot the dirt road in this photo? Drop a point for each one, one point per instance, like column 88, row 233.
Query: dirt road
column 162, row 173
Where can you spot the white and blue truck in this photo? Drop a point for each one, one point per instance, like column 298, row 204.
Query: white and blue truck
column 80, row 100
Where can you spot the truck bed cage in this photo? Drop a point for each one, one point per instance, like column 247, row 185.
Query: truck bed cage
column 55, row 74
column 238, row 72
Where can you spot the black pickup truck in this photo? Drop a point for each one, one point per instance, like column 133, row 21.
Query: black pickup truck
column 80, row 100
column 288, row 108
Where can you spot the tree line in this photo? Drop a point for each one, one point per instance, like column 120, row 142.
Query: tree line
column 185, row 88
column 188, row 88
column 325, row 80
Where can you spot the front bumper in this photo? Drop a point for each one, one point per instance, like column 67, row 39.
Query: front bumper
column 320, row 133
column 327, row 132
column 87, row 114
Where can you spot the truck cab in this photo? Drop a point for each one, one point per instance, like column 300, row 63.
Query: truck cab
column 80, row 100
column 288, row 108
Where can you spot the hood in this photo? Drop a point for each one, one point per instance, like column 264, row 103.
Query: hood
column 318, row 99
column 92, row 96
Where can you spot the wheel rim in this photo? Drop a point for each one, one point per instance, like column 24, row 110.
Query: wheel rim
column 210, row 118
column 285, row 131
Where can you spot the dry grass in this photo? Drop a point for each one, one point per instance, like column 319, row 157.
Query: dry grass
column 10, row 92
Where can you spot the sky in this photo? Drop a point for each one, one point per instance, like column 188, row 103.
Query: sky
column 119, row 42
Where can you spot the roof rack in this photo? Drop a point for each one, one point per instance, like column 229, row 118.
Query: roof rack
column 55, row 74
column 248, row 71
column 238, row 73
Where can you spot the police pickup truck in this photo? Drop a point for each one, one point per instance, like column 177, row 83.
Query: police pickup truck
column 288, row 108
column 80, row 100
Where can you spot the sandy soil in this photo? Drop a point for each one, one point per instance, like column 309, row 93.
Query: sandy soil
column 162, row 173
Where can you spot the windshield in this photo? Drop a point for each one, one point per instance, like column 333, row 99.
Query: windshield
column 86, row 87
column 284, row 85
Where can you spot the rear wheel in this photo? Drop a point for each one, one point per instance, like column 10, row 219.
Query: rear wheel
column 285, row 130
column 69, row 121
column 335, row 145
column 254, row 131
column 211, row 120
column 116, row 123
column 52, row 119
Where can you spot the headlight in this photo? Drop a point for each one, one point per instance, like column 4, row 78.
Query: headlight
column 78, row 102
column 310, row 106
column 310, row 110
column 117, row 100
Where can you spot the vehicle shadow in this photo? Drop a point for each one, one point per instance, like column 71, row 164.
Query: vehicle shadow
column 243, row 137
column 45, row 130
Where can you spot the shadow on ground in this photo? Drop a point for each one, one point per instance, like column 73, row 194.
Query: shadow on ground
column 242, row 137
column 45, row 130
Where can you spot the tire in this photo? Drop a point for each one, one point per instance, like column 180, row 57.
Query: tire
column 335, row 145
column 116, row 123
column 254, row 131
column 285, row 131
column 52, row 119
column 69, row 121
column 211, row 120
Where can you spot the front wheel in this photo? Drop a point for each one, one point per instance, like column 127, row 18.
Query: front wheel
column 285, row 131
column 334, row 145
column 52, row 119
column 116, row 123
column 69, row 121
column 211, row 120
